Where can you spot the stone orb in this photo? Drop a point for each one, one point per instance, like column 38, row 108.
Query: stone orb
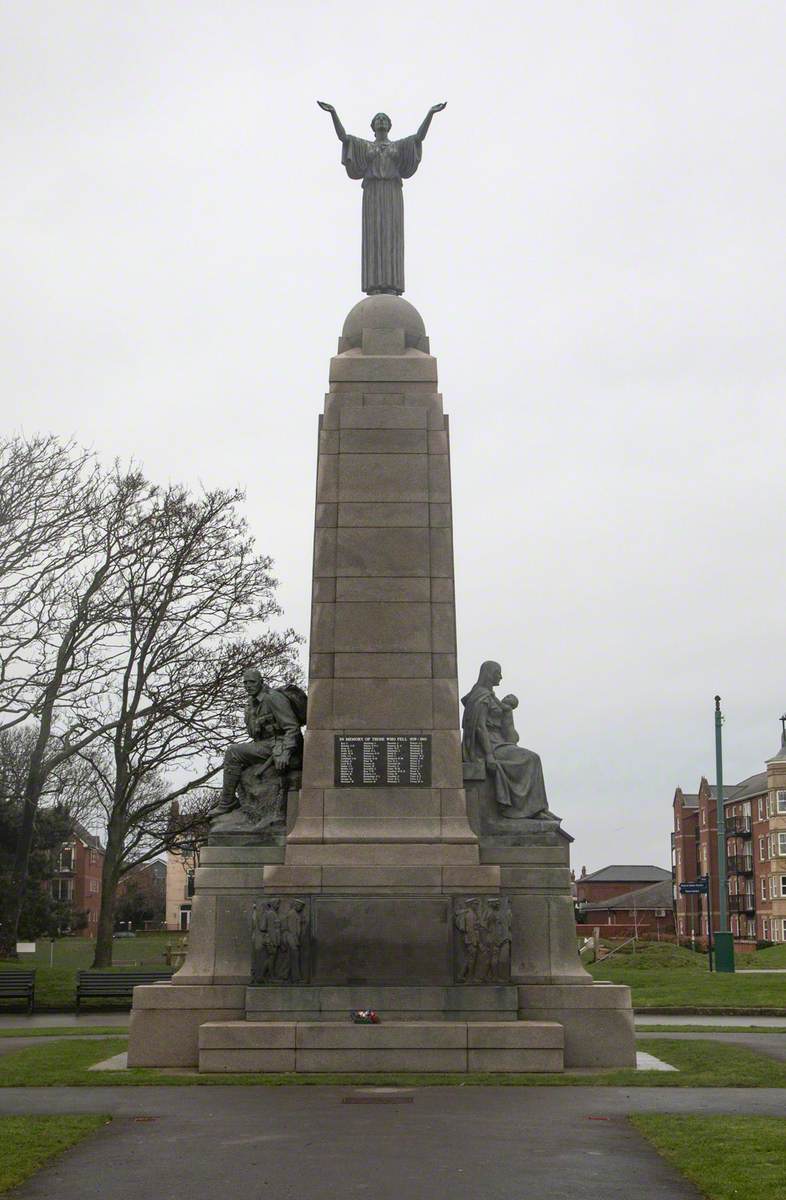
column 386, row 313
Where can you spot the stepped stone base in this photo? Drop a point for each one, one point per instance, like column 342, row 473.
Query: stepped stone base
column 165, row 1021
column 458, row 1003
column 598, row 1021
column 422, row 1046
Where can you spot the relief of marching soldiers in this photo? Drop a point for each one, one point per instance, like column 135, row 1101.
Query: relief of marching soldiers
column 484, row 926
column 278, row 941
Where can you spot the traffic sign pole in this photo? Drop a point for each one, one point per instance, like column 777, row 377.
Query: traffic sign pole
column 723, row 896
column 724, row 942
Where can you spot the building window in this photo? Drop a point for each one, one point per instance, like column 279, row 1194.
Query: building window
column 765, row 929
column 762, row 807
column 783, row 885
column 772, row 887
column 704, row 816
column 93, row 857
column 65, row 861
column 780, row 801
column 62, row 889
column 93, row 887
column 682, row 925
column 782, row 844
column 762, row 849
column 764, row 889
column 783, row 930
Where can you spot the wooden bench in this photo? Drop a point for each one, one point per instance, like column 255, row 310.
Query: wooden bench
column 91, row 985
column 18, row 985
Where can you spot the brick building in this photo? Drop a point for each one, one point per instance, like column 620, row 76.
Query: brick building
column 148, row 883
column 644, row 912
column 616, row 880
column 179, row 872
column 77, row 877
column 755, row 821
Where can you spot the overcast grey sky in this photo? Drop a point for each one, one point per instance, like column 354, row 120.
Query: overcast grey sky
column 595, row 239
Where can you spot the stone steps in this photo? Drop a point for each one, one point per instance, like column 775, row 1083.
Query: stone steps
column 420, row 1046
column 479, row 1002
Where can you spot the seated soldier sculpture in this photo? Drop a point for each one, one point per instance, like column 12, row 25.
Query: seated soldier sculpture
column 273, row 718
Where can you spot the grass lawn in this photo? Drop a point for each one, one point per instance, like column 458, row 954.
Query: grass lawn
column 641, row 1029
column 55, row 986
column 699, row 1064
column 770, row 959
column 28, row 1143
column 663, row 976
column 726, row 1157
column 60, row 1031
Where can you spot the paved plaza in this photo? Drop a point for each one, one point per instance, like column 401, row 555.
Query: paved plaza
column 318, row 1143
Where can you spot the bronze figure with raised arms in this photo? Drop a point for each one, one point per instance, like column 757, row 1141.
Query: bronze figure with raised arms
column 382, row 165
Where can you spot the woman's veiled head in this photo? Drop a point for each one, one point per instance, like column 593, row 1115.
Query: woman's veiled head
column 490, row 674
column 381, row 124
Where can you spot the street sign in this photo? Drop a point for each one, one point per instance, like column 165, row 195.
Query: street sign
column 699, row 887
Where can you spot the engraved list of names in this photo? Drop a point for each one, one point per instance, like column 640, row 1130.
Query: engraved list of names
column 397, row 761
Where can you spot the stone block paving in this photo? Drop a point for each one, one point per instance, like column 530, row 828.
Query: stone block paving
column 317, row 1143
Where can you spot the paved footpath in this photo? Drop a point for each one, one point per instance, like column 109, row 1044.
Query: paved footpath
column 319, row 1143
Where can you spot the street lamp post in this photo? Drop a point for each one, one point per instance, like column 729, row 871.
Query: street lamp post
column 724, row 942
column 723, row 895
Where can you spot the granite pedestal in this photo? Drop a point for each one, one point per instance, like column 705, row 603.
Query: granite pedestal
column 391, row 874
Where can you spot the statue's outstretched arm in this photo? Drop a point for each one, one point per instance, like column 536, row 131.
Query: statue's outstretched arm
column 341, row 132
column 435, row 108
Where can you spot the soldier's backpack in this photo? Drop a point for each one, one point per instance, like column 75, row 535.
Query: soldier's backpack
column 298, row 699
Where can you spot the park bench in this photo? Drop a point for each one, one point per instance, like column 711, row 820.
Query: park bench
column 91, row 985
column 18, row 985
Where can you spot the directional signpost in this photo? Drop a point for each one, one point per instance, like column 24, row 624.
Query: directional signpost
column 701, row 887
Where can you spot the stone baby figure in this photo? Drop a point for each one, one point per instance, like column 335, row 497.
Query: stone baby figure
column 508, row 704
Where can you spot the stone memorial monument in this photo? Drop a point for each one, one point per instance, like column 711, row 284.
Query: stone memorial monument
column 388, row 858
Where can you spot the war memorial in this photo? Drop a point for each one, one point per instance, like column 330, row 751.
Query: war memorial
column 372, row 849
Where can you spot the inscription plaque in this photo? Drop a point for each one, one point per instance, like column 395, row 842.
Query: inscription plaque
column 386, row 761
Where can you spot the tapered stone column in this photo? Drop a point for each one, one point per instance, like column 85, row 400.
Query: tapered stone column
column 383, row 627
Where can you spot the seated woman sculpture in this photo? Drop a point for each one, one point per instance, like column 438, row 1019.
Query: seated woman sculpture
column 489, row 737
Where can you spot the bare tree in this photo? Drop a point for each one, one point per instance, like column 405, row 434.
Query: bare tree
column 68, row 798
column 63, row 534
column 197, row 601
column 72, row 786
column 47, row 492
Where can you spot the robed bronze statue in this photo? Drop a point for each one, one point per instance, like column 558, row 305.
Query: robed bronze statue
column 382, row 165
column 490, row 739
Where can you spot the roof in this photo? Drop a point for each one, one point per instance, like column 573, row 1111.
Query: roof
column 635, row 873
column 84, row 835
column 754, row 785
column 728, row 790
column 781, row 755
column 657, row 895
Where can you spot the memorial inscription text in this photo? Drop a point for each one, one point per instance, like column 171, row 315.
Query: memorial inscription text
column 384, row 761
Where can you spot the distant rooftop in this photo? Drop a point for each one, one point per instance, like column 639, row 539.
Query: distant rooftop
column 728, row 790
column 84, row 835
column 754, row 785
column 631, row 873
column 781, row 755
column 657, row 895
